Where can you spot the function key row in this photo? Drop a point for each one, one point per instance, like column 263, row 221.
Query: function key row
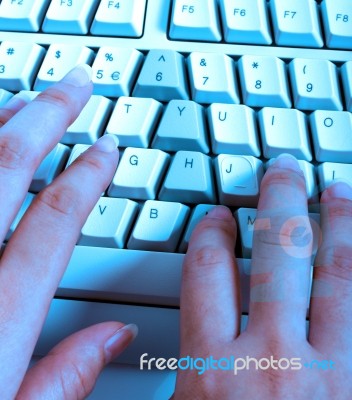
column 124, row 18
column 164, row 75
column 294, row 24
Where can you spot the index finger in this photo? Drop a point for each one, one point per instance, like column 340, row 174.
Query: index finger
column 281, row 258
column 30, row 134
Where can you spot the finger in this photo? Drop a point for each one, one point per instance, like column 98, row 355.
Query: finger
column 72, row 367
column 32, row 132
column 210, row 296
column 330, row 316
column 282, row 245
column 40, row 248
column 15, row 104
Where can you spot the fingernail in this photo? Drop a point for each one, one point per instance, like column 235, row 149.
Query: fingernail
column 17, row 101
column 107, row 143
column 79, row 76
column 119, row 341
column 341, row 190
column 220, row 212
column 287, row 161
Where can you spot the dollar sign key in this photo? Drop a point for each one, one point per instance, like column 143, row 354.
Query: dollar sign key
column 58, row 54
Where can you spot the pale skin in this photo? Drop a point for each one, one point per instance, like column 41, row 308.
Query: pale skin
column 37, row 254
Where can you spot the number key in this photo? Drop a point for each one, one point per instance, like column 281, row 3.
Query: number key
column 314, row 85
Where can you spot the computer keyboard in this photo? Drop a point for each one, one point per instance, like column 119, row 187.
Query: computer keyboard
column 203, row 95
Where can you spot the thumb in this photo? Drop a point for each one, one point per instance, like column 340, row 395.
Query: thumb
column 72, row 367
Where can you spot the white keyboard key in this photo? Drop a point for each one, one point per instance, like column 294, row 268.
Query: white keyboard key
column 196, row 20
column 59, row 60
column 159, row 226
column 315, row 85
column 337, row 19
column 77, row 150
column 109, row 223
column 296, row 23
column 5, row 96
column 309, row 175
column 134, row 120
column 114, row 70
column 329, row 172
column 90, row 124
column 212, row 78
column 332, row 135
column 189, row 179
column 50, row 167
column 22, row 15
column 139, row 174
column 162, row 77
column 245, row 22
column 24, row 206
column 264, row 81
column 198, row 213
column 19, row 62
column 238, row 179
column 346, row 72
column 273, row 122
column 69, row 16
column 233, row 129
column 246, row 218
column 182, row 127
column 119, row 18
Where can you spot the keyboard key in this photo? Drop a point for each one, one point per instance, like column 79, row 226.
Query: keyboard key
column 5, row 96
column 50, row 167
column 24, row 206
column 139, row 174
column 329, row 172
column 189, row 179
column 182, row 127
column 212, row 78
column 198, row 213
column 238, row 179
column 19, row 62
column 69, row 16
column 90, row 124
column 162, row 76
column 245, row 22
column 20, row 15
column 274, row 122
column 246, row 219
column 337, row 19
column 119, row 18
column 346, row 73
column 59, row 60
column 159, row 226
column 332, row 135
column 134, row 120
column 263, row 81
column 115, row 70
column 109, row 223
column 296, row 23
column 197, row 20
column 233, row 129
column 311, row 183
column 314, row 85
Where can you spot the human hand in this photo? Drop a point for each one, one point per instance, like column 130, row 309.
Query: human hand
column 210, row 298
column 38, row 252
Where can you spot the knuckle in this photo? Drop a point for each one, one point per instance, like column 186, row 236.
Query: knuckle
column 56, row 97
column 276, row 176
column 14, row 154
column 60, row 200
column 6, row 115
column 337, row 261
column 340, row 208
column 90, row 161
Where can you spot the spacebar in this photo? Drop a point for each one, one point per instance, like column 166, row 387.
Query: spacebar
column 133, row 276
